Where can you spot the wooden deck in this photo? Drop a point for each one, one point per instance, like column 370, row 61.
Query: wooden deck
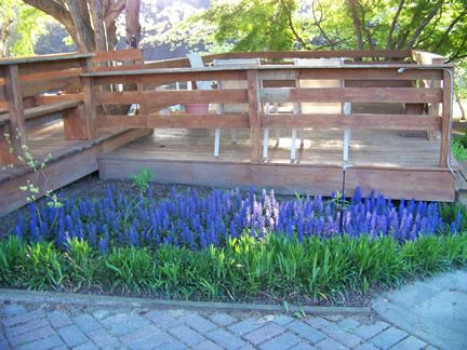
column 396, row 165
column 70, row 160
column 381, row 97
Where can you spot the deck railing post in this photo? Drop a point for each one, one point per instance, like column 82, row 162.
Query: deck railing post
column 254, row 114
column 90, row 112
column 14, row 98
column 446, row 118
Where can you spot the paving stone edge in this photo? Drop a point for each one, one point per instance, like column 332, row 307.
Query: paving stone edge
column 27, row 296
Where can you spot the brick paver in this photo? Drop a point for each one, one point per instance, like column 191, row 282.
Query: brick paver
column 43, row 326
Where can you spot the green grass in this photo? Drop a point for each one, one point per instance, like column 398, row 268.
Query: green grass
column 316, row 270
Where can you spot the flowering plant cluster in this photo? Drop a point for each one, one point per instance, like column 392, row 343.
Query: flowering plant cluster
column 188, row 219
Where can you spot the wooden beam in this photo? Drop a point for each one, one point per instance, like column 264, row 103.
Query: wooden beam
column 254, row 114
column 427, row 185
column 14, row 96
column 446, row 119
column 374, row 95
column 353, row 121
column 178, row 120
column 173, row 97
column 349, row 73
column 7, row 156
column 118, row 55
column 90, row 111
column 73, row 123
column 159, row 78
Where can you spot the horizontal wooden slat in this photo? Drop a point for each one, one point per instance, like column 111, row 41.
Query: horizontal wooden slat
column 156, row 78
column 56, row 74
column 118, row 121
column 40, row 111
column 49, row 99
column 353, row 121
column 119, row 55
column 178, row 120
column 375, row 95
column 317, row 54
column 349, row 73
column 47, row 59
column 172, row 97
column 33, row 88
column 378, row 83
column 406, row 183
column 41, row 67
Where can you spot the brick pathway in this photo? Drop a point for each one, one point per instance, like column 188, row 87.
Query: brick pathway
column 45, row 326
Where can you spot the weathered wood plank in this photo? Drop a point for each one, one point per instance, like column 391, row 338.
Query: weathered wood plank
column 403, row 183
column 118, row 55
column 157, row 78
column 43, row 58
column 34, row 88
column 254, row 114
column 283, row 178
column 374, row 95
column 14, row 97
column 73, row 123
column 90, row 112
column 44, row 110
column 54, row 74
column 353, row 121
column 349, row 73
column 51, row 99
column 6, row 153
column 446, row 119
column 175, row 121
column 173, row 97
column 317, row 54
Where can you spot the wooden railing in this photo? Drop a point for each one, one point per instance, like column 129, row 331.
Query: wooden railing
column 43, row 86
column 417, row 88
column 369, row 79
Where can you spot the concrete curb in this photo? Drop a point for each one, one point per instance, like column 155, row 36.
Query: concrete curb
column 34, row 297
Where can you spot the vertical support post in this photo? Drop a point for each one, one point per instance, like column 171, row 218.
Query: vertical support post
column 446, row 119
column 433, row 109
column 73, row 122
column 14, row 97
column 7, row 155
column 90, row 112
column 254, row 114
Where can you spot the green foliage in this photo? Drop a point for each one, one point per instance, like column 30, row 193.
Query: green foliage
column 141, row 179
column 21, row 25
column 459, row 147
column 317, row 270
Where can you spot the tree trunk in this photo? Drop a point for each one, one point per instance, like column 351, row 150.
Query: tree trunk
column 97, row 15
column 356, row 23
column 82, row 23
column 133, row 28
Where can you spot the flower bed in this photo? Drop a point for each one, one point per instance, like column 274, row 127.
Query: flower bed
column 231, row 246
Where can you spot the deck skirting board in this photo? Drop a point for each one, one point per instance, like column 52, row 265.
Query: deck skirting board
column 422, row 184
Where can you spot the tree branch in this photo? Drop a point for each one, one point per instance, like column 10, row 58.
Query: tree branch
column 318, row 23
column 113, row 11
column 422, row 26
column 449, row 29
column 292, row 27
column 394, row 23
